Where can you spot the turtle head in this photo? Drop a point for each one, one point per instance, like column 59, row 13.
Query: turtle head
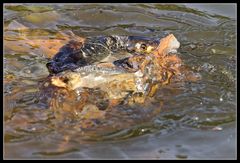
column 141, row 45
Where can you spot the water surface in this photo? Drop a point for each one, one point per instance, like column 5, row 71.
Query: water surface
column 191, row 120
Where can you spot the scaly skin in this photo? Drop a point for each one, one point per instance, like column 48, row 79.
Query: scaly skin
column 88, row 93
column 130, row 80
column 94, row 49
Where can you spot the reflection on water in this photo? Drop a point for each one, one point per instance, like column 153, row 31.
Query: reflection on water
column 185, row 120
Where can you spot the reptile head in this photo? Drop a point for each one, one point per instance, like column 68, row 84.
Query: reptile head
column 141, row 44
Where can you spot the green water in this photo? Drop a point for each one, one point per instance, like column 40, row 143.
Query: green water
column 196, row 119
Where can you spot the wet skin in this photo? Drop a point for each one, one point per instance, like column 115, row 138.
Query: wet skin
column 131, row 79
column 94, row 49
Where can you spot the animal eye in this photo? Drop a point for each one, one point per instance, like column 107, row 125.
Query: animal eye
column 143, row 46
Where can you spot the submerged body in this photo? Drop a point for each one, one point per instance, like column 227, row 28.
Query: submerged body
column 93, row 92
column 129, row 80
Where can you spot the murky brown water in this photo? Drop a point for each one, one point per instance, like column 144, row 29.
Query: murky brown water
column 186, row 120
